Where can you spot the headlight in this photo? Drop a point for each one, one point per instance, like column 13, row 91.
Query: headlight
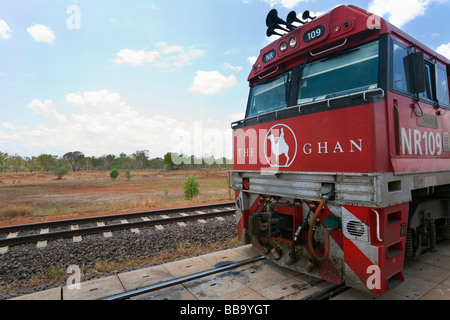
column 293, row 42
column 283, row 47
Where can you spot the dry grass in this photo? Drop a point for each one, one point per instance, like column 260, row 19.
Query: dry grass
column 41, row 196
column 16, row 212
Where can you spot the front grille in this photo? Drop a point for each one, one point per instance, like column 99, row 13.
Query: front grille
column 356, row 228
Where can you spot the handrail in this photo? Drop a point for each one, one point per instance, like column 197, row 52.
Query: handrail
column 329, row 49
column 378, row 224
column 266, row 75
column 399, row 137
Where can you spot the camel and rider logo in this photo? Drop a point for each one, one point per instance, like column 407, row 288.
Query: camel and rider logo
column 280, row 146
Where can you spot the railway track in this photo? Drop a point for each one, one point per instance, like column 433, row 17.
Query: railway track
column 180, row 280
column 325, row 294
column 21, row 234
column 328, row 291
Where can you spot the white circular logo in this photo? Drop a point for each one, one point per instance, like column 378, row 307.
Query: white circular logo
column 280, row 146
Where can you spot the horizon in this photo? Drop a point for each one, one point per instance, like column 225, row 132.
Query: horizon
column 110, row 77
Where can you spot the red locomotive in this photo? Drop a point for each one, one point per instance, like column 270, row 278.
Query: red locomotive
column 342, row 163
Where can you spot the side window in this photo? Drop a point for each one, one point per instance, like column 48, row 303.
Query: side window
column 442, row 87
column 399, row 72
column 403, row 77
column 429, row 83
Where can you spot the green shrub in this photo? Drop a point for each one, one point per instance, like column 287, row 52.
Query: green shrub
column 61, row 171
column 191, row 187
column 114, row 173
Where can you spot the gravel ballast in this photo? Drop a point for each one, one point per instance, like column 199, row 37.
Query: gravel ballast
column 26, row 269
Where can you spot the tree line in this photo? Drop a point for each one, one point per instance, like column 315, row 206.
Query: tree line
column 77, row 161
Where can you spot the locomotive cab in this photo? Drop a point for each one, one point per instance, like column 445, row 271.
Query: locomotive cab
column 342, row 163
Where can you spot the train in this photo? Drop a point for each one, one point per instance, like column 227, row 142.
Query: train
column 341, row 165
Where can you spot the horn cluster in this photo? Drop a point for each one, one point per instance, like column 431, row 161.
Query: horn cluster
column 273, row 22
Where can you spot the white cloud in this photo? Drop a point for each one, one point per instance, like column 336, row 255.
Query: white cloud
column 289, row 4
column 5, row 30
column 237, row 116
column 104, row 123
column 102, row 100
column 46, row 109
column 231, row 67
column 252, row 60
column 211, row 83
column 136, row 57
column 399, row 12
column 9, row 125
column 41, row 33
column 165, row 57
column 166, row 49
column 195, row 53
column 183, row 57
column 444, row 50
column 180, row 60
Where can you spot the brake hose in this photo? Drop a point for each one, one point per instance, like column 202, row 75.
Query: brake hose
column 310, row 234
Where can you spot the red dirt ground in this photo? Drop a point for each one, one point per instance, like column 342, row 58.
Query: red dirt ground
column 95, row 193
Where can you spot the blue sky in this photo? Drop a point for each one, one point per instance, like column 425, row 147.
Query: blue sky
column 116, row 76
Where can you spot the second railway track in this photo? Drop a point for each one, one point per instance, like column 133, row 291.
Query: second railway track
column 328, row 289
column 180, row 280
column 13, row 235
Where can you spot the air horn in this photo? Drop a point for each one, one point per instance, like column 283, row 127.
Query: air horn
column 307, row 15
column 291, row 18
column 274, row 22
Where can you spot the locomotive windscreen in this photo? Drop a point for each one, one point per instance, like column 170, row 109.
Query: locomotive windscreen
column 351, row 72
column 345, row 73
column 268, row 96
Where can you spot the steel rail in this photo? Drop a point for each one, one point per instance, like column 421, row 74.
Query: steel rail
column 173, row 282
column 132, row 215
column 329, row 292
column 114, row 227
